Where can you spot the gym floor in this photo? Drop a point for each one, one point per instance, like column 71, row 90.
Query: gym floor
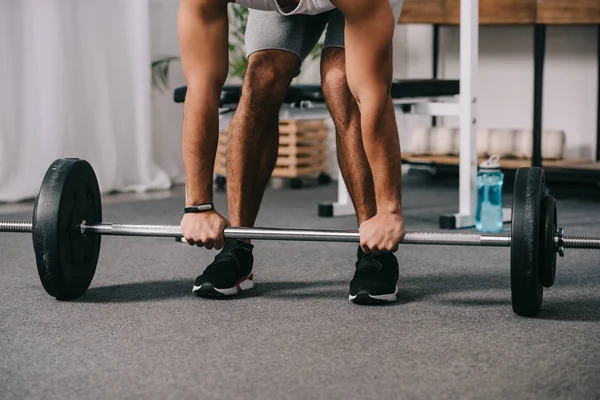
column 140, row 333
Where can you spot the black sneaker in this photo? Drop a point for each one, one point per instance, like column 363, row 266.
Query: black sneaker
column 229, row 273
column 375, row 279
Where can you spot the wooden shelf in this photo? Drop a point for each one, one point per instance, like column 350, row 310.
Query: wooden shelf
column 505, row 163
column 583, row 166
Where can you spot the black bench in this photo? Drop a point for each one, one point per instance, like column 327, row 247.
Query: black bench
column 405, row 89
column 401, row 89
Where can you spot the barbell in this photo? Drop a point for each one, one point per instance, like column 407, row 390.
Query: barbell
column 67, row 227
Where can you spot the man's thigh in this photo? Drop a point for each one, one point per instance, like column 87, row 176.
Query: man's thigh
column 334, row 37
column 269, row 30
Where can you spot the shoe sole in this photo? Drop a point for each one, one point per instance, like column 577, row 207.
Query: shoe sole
column 208, row 290
column 365, row 298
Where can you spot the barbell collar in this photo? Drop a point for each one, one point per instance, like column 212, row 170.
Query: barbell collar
column 16, row 226
column 581, row 242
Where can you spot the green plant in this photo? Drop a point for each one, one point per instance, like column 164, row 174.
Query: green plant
column 238, row 20
column 160, row 71
column 238, row 62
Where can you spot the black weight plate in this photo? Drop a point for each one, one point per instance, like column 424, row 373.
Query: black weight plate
column 526, row 289
column 66, row 259
column 548, row 229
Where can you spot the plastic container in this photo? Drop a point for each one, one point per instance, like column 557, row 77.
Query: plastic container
column 490, row 180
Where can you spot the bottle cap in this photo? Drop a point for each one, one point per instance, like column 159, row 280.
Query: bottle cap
column 491, row 163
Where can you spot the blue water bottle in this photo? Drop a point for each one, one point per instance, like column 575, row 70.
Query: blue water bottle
column 489, row 196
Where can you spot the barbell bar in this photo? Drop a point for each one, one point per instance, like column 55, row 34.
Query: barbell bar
column 307, row 235
column 310, row 235
column 67, row 227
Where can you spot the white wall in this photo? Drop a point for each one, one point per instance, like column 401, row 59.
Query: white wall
column 505, row 79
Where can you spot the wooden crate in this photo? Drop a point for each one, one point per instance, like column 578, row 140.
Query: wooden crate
column 302, row 149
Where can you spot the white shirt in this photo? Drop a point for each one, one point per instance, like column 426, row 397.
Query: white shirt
column 309, row 7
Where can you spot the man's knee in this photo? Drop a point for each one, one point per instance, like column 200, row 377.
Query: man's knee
column 269, row 74
column 333, row 74
column 340, row 100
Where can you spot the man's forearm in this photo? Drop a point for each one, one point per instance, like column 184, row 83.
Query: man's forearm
column 369, row 35
column 199, row 140
column 203, row 31
column 382, row 147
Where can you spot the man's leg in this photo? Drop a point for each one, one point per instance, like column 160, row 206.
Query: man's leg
column 375, row 278
column 352, row 158
column 354, row 165
column 253, row 136
column 252, row 143
column 276, row 46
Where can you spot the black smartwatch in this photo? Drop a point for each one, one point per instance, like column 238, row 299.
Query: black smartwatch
column 199, row 208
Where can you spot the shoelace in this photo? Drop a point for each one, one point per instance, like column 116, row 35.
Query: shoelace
column 367, row 261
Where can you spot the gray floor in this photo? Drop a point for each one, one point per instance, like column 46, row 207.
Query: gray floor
column 139, row 333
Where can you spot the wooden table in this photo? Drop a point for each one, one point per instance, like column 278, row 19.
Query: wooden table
column 504, row 12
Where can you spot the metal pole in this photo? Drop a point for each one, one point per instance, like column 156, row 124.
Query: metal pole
column 469, row 50
column 436, row 59
column 539, row 52
column 316, row 235
column 598, row 95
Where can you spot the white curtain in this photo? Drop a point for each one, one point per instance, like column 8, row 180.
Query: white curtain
column 75, row 82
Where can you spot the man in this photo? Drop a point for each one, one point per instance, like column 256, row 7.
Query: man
column 356, row 73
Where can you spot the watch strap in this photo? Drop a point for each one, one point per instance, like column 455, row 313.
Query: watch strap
column 199, row 208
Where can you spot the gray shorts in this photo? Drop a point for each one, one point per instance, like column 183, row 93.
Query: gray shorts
column 298, row 34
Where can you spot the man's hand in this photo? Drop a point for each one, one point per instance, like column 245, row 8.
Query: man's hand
column 382, row 233
column 204, row 229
